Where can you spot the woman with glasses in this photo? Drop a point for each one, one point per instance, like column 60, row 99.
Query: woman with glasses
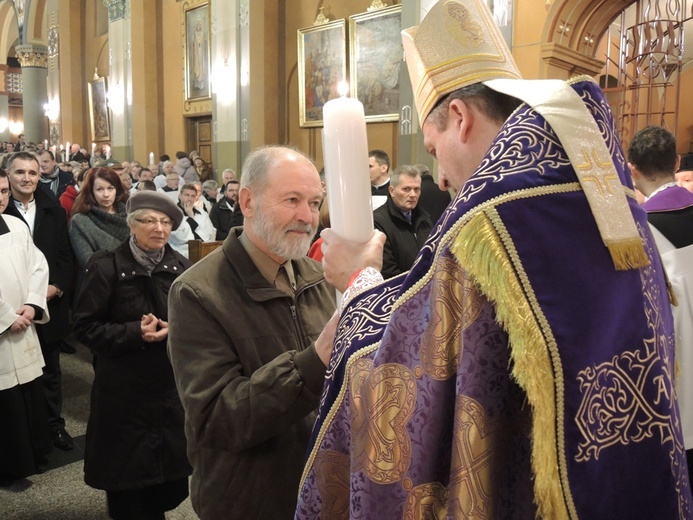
column 135, row 443
column 98, row 215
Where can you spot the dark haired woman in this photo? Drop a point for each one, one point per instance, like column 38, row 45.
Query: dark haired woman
column 98, row 215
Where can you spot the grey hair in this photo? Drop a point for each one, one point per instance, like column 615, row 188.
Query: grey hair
column 258, row 163
column 132, row 217
column 407, row 170
column 210, row 185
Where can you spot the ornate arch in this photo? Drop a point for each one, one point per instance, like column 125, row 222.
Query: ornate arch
column 9, row 32
column 572, row 32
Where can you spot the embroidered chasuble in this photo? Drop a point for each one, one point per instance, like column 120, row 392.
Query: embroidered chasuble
column 516, row 371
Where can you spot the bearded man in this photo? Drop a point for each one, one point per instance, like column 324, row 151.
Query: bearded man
column 246, row 346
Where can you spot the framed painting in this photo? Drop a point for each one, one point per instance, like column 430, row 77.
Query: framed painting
column 98, row 111
column 197, row 53
column 375, row 58
column 322, row 63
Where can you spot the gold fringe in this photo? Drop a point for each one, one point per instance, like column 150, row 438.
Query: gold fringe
column 628, row 254
column 481, row 251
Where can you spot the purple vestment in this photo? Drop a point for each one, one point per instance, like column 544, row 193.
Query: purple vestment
column 513, row 372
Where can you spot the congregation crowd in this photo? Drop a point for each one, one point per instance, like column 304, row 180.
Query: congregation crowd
column 504, row 344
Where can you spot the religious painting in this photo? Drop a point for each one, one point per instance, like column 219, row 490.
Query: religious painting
column 375, row 59
column 197, row 53
column 503, row 15
column 98, row 111
column 321, row 66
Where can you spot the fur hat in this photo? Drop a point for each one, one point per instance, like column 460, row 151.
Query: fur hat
column 158, row 202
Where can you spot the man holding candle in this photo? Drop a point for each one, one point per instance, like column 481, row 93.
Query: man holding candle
column 246, row 346
column 524, row 367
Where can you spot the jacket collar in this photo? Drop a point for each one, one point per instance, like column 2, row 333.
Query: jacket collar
column 417, row 213
column 127, row 268
column 307, row 271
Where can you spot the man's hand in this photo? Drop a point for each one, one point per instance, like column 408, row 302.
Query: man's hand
column 324, row 343
column 188, row 208
column 25, row 315
column 51, row 292
column 342, row 258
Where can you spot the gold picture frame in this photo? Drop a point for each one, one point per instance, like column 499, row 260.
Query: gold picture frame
column 322, row 64
column 376, row 56
column 197, row 54
column 98, row 111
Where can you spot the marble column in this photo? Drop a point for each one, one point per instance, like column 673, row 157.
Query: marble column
column 34, row 61
column 4, row 105
column 227, row 19
column 53, row 77
column 120, row 78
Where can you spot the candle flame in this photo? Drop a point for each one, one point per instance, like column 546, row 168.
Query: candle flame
column 343, row 88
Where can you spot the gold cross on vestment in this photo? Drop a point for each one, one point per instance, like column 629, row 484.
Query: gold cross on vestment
column 30, row 348
column 600, row 172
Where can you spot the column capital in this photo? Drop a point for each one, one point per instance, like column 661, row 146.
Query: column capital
column 32, row 55
column 117, row 9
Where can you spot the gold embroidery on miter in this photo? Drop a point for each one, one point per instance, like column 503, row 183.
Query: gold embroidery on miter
column 452, row 291
column 382, row 402
column 426, row 501
column 472, row 489
column 332, row 480
column 461, row 26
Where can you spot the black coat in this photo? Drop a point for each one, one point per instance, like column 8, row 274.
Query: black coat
column 404, row 240
column 433, row 201
column 50, row 236
column 65, row 179
column 135, row 436
column 222, row 217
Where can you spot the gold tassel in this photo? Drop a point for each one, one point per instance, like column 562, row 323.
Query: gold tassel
column 481, row 251
column 628, row 254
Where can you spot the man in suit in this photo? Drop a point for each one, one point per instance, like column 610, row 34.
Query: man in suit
column 404, row 223
column 47, row 222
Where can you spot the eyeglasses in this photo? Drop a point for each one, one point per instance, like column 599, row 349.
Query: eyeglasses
column 152, row 222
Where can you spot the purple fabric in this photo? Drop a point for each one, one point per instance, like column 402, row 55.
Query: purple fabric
column 613, row 332
column 669, row 199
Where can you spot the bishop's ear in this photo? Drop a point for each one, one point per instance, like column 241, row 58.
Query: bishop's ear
column 461, row 114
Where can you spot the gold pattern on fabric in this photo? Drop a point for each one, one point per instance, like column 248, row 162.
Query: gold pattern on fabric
column 485, row 248
column 332, row 480
column 426, row 502
column 472, row 489
column 584, row 143
column 455, row 304
column 381, row 402
column 473, row 51
column 617, row 394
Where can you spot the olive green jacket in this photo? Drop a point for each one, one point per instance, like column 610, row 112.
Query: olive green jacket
column 249, row 377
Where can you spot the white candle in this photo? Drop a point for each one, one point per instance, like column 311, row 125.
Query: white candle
column 108, row 152
column 345, row 151
column 93, row 148
column 45, row 144
column 151, row 157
